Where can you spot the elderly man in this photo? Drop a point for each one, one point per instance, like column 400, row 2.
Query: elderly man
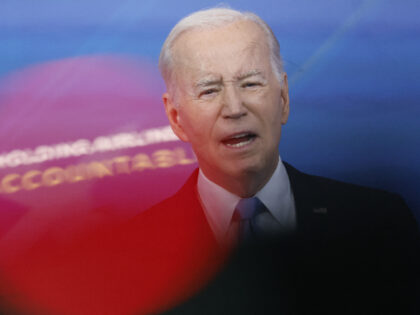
column 317, row 246
column 228, row 96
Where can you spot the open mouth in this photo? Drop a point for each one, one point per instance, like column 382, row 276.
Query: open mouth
column 239, row 140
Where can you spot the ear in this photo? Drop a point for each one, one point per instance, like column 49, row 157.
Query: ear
column 172, row 111
column 285, row 99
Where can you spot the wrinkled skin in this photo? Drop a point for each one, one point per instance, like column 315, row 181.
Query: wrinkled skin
column 229, row 104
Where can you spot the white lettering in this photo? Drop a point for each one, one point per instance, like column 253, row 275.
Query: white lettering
column 79, row 147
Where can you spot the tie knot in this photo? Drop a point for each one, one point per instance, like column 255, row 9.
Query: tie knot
column 246, row 208
column 246, row 216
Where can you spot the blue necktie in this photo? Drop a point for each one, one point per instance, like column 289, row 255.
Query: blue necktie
column 245, row 214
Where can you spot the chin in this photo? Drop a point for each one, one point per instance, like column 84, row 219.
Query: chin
column 246, row 168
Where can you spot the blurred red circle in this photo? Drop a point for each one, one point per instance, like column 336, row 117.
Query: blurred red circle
column 84, row 147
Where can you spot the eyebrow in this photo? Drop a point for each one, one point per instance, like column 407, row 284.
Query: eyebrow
column 248, row 74
column 210, row 81
column 207, row 82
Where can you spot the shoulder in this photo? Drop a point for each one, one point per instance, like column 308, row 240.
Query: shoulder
column 349, row 206
column 339, row 192
column 177, row 211
column 185, row 197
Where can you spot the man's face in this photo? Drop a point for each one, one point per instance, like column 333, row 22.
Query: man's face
column 228, row 103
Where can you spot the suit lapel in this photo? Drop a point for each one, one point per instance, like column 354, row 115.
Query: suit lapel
column 311, row 211
column 201, row 234
column 193, row 210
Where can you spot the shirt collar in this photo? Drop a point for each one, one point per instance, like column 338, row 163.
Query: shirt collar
column 277, row 196
column 219, row 204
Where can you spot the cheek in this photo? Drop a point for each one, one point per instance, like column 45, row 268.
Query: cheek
column 196, row 125
column 271, row 108
column 273, row 116
column 276, row 107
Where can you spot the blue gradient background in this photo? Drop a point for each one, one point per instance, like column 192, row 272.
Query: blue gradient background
column 353, row 71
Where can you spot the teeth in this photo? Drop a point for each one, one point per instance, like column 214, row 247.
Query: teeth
column 240, row 144
column 240, row 135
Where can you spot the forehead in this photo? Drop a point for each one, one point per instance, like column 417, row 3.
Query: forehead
column 225, row 49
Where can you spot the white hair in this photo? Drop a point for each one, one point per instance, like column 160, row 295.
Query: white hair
column 212, row 18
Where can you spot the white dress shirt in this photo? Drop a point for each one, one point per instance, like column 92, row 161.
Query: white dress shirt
column 219, row 204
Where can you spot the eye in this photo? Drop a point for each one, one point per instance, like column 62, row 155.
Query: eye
column 250, row 84
column 208, row 92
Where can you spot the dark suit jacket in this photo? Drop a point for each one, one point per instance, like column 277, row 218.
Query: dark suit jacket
column 355, row 251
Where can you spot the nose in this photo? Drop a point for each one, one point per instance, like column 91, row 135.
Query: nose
column 232, row 103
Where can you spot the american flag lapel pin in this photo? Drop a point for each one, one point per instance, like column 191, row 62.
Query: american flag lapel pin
column 321, row 210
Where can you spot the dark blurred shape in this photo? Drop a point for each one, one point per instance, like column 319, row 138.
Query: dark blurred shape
column 356, row 251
